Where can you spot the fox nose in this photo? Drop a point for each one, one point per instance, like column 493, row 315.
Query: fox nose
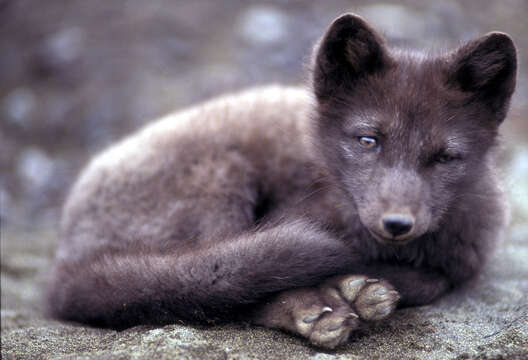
column 396, row 224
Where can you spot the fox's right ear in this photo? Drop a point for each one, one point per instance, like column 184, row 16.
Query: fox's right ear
column 349, row 50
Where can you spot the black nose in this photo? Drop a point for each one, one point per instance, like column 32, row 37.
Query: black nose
column 396, row 224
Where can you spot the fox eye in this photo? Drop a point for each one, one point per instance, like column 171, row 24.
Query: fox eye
column 444, row 158
column 368, row 142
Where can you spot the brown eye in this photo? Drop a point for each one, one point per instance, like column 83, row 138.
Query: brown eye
column 368, row 142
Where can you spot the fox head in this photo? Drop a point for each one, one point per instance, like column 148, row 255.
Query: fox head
column 405, row 134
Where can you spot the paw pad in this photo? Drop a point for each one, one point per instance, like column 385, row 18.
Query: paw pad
column 373, row 299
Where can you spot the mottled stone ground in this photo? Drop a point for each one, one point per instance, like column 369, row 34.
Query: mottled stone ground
column 486, row 321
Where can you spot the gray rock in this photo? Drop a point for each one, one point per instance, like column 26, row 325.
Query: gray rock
column 18, row 107
column 35, row 168
column 483, row 321
column 419, row 26
column 263, row 25
column 63, row 47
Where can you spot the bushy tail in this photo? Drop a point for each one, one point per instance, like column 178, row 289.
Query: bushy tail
column 119, row 290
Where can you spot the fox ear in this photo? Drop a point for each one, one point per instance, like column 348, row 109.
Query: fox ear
column 486, row 68
column 349, row 50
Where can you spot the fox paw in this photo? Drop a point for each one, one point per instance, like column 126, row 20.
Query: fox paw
column 325, row 326
column 326, row 315
column 344, row 302
column 372, row 299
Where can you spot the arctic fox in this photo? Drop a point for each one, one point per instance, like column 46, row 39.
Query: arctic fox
column 310, row 210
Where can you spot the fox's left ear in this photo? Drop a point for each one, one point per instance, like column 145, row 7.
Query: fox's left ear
column 486, row 68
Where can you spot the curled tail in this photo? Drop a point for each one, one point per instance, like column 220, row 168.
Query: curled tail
column 122, row 289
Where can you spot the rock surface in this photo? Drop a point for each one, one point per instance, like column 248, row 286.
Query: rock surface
column 488, row 320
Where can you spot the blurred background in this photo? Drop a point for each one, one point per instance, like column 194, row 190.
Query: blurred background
column 76, row 75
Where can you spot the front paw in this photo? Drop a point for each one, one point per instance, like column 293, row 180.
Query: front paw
column 371, row 299
column 325, row 322
column 344, row 301
column 326, row 315
column 325, row 326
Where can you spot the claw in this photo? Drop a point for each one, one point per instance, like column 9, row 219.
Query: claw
column 327, row 309
column 355, row 283
column 380, row 291
column 311, row 318
column 353, row 315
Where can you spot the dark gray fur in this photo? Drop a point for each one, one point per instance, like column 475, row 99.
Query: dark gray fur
column 251, row 208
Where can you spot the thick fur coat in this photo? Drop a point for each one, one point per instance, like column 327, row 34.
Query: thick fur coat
column 314, row 211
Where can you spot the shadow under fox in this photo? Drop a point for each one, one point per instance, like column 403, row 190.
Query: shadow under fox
column 310, row 211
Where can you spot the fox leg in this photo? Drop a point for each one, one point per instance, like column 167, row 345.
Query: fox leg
column 121, row 288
